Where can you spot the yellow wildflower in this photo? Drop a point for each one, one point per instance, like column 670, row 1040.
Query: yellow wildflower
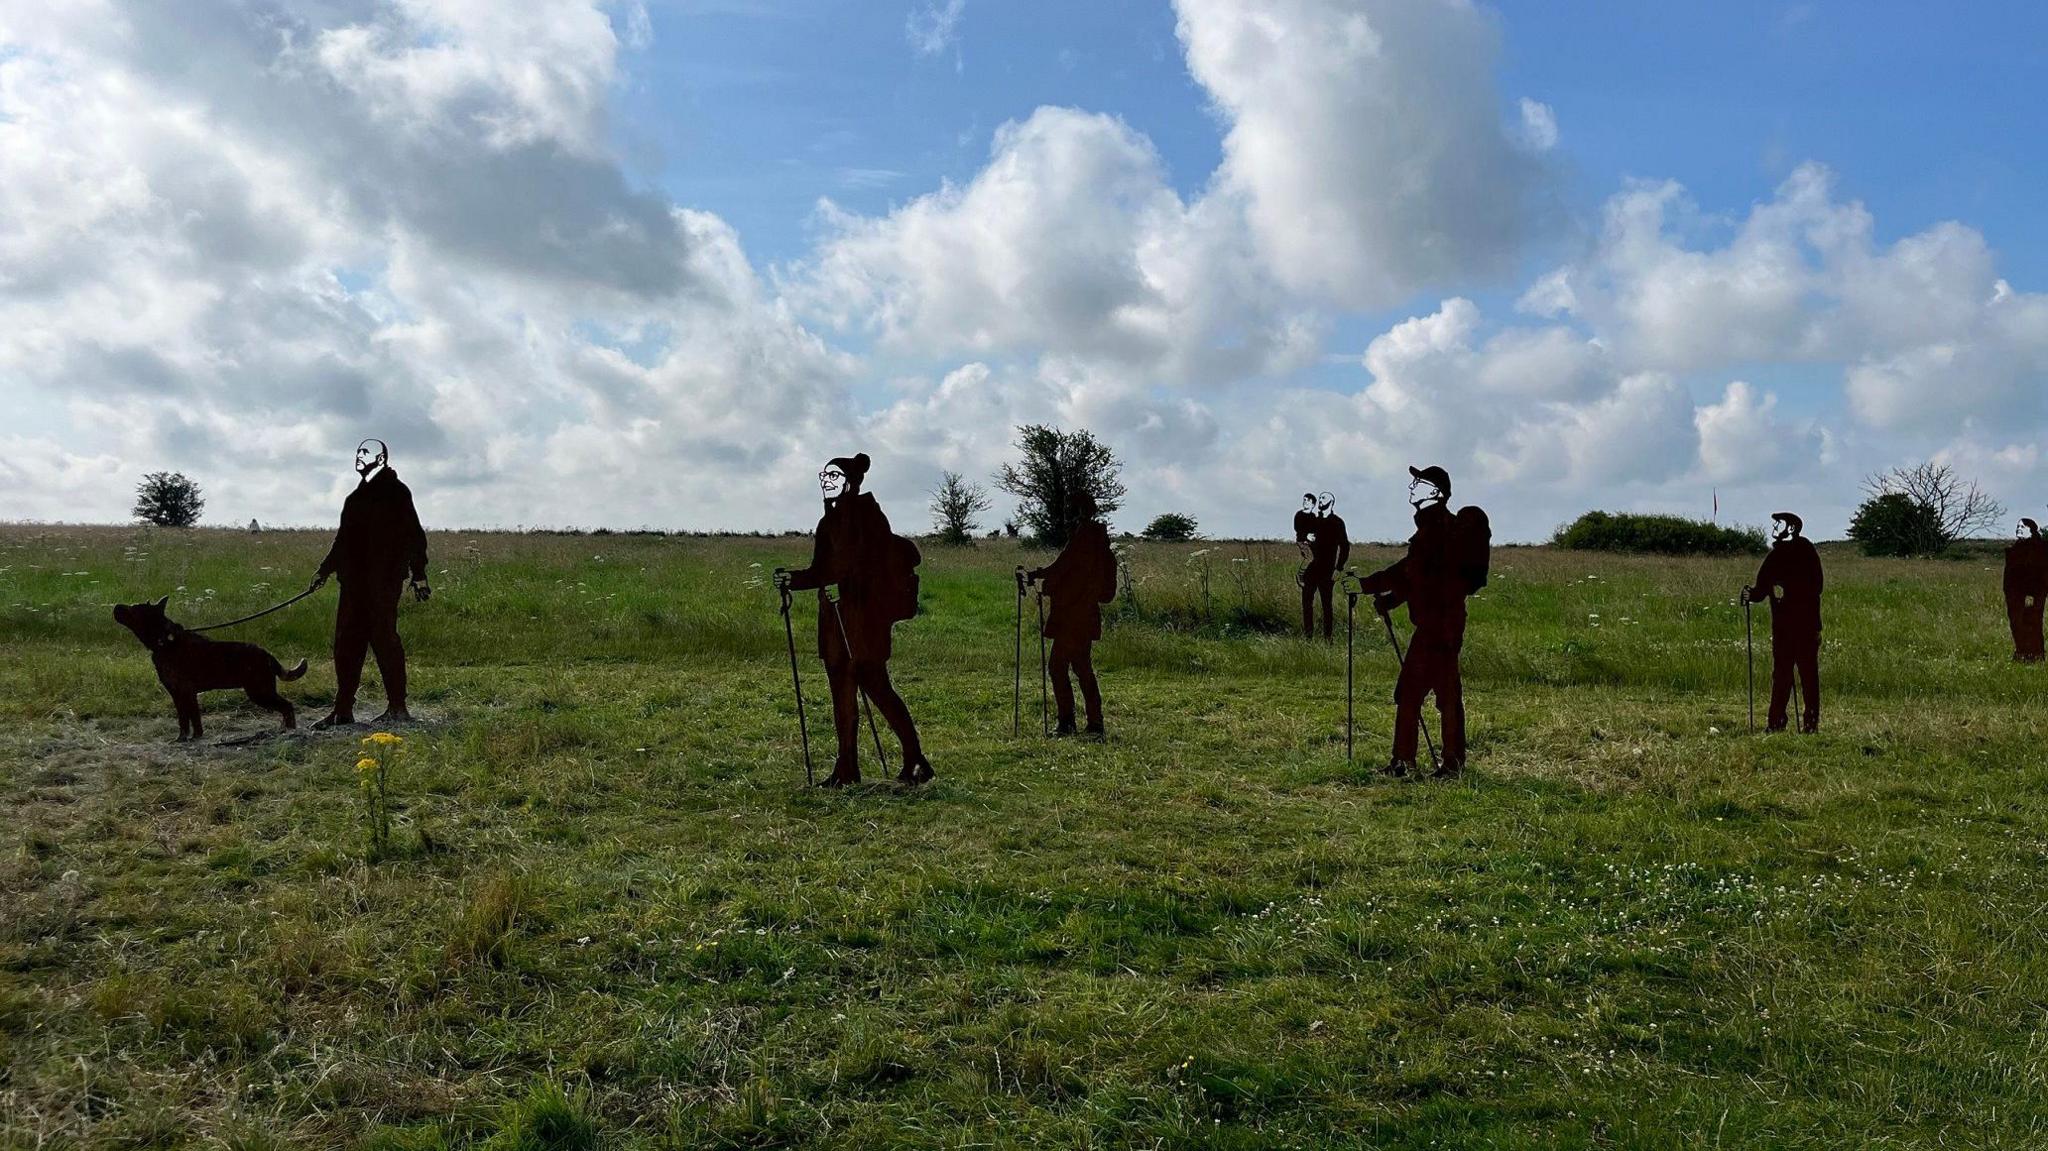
column 382, row 739
column 366, row 764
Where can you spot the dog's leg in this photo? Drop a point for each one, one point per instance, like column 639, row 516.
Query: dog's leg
column 187, row 704
column 264, row 693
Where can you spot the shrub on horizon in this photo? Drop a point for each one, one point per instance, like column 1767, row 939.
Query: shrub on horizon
column 1656, row 535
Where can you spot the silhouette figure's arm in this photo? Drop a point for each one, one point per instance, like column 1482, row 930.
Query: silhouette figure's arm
column 1388, row 586
column 1061, row 565
column 1769, row 575
column 415, row 538
column 1343, row 544
column 821, row 570
column 339, row 550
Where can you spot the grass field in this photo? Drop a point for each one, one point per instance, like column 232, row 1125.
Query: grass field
column 612, row 915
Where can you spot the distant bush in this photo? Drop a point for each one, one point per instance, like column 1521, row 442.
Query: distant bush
column 1656, row 535
column 1896, row 524
column 1172, row 527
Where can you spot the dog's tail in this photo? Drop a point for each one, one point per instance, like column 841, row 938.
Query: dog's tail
column 288, row 673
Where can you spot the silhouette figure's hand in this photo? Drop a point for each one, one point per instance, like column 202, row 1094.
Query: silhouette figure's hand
column 831, row 591
column 319, row 581
column 1384, row 604
column 781, row 578
column 1748, row 595
column 420, row 590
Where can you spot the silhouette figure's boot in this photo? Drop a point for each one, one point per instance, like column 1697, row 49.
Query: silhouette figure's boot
column 915, row 771
column 1399, row 768
column 844, row 772
column 335, row 719
column 1448, row 769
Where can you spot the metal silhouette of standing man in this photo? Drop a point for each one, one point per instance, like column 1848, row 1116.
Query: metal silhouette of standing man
column 1078, row 583
column 2026, row 585
column 866, row 579
column 379, row 545
column 1790, row 579
column 1446, row 561
column 1328, row 548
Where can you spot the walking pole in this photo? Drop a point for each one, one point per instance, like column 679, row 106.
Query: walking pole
column 880, row 758
column 1017, row 663
column 1402, row 661
column 1044, row 724
column 802, row 727
column 1350, row 627
column 1749, row 638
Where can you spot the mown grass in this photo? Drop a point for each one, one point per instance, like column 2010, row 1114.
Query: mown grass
column 613, row 917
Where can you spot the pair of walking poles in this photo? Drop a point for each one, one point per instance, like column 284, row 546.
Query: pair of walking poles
column 1017, row 665
column 797, row 682
column 1351, row 594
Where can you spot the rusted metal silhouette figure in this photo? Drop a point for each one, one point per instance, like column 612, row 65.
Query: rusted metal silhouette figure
column 1078, row 583
column 1790, row 579
column 2026, row 586
column 1446, row 562
column 1325, row 545
column 1305, row 525
column 866, row 579
column 379, row 545
column 188, row 663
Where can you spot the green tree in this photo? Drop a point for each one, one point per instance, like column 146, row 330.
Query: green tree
column 1921, row 510
column 168, row 500
column 956, row 509
column 1056, row 467
column 1171, row 527
column 1896, row 524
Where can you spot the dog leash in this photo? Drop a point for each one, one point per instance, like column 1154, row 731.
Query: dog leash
column 260, row 614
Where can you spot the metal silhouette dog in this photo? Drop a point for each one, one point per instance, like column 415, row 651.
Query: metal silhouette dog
column 188, row 663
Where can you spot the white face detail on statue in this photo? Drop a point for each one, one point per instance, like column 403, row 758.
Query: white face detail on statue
column 1308, row 502
column 1325, row 504
column 370, row 456
column 1421, row 491
column 1781, row 530
column 832, row 482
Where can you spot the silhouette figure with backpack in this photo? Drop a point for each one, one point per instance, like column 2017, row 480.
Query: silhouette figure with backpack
column 2026, row 584
column 866, row 579
column 1790, row 579
column 1078, row 583
column 1446, row 562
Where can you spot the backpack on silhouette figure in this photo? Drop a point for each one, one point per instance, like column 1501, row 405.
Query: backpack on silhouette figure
column 1475, row 543
column 1106, row 590
column 900, row 558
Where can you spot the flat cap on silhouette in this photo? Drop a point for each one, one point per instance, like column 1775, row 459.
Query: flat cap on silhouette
column 1798, row 525
column 1432, row 474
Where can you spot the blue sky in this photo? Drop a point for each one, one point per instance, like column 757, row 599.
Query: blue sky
column 648, row 262
column 759, row 110
column 756, row 110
